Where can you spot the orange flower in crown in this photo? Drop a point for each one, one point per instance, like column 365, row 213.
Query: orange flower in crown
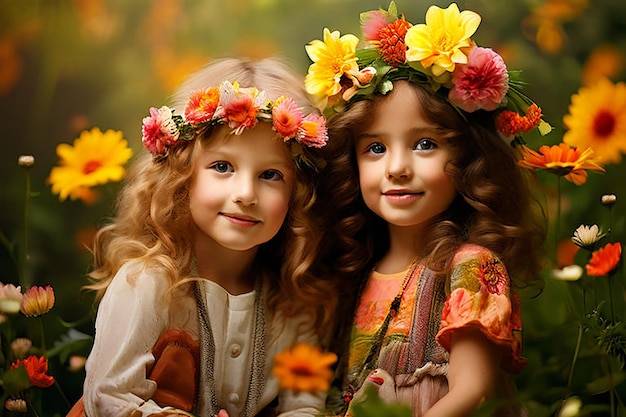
column 439, row 53
column 239, row 108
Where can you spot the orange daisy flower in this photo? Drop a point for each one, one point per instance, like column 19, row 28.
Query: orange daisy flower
column 563, row 160
column 304, row 368
column 604, row 260
column 510, row 123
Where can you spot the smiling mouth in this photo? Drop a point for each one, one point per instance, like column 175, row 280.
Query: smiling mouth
column 401, row 196
column 241, row 219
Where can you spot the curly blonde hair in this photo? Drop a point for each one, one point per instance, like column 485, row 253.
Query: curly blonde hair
column 153, row 224
column 495, row 207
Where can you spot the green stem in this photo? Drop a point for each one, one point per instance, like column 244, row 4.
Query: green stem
column 574, row 359
column 557, row 225
column 24, row 254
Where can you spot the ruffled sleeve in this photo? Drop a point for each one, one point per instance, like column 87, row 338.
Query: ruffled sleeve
column 481, row 297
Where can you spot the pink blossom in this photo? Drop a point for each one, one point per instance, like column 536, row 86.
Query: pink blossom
column 159, row 130
column 373, row 22
column 313, row 131
column 287, row 118
column 482, row 83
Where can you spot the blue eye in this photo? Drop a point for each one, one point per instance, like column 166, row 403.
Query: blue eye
column 271, row 175
column 424, row 145
column 221, row 167
column 377, row 148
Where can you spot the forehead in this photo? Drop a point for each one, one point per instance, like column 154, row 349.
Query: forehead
column 259, row 145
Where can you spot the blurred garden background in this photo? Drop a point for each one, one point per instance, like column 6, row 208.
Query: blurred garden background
column 67, row 66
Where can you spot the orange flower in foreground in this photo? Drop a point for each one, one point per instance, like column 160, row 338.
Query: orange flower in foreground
column 37, row 369
column 510, row 123
column 304, row 368
column 562, row 159
column 37, row 301
column 604, row 260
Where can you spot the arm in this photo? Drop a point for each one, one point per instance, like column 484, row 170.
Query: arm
column 472, row 374
column 130, row 320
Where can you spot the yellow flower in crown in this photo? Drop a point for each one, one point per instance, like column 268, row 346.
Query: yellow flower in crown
column 334, row 58
column 444, row 40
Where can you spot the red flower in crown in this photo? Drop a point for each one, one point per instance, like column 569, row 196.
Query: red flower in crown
column 510, row 123
column 202, row 105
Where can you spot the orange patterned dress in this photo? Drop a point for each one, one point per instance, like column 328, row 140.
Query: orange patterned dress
column 412, row 364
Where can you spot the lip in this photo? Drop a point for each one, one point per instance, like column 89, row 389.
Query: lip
column 401, row 196
column 241, row 219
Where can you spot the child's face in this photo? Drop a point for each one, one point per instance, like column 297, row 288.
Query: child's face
column 401, row 159
column 241, row 187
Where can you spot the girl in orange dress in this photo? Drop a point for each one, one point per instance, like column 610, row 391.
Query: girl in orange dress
column 433, row 221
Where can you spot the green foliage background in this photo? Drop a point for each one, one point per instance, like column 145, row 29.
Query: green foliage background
column 66, row 66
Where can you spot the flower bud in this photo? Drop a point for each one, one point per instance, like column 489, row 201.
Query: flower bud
column 609, row 199
column 21, row 346
column 18, row 405
column 37, row 301
column 10, row 298
column 26, row 161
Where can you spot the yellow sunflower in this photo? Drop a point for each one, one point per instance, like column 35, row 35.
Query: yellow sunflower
column 597, row 120
column 332, row 58
column 304, row 368
column 96, row 158
column 444, row 40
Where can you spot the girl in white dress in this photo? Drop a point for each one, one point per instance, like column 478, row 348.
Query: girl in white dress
column 207, row 270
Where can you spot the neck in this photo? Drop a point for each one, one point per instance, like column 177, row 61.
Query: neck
column 232, row 270
column 404, row 247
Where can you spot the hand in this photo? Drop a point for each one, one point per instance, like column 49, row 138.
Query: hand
column 222, row 413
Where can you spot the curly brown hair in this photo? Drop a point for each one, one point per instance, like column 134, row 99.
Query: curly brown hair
column 152, row 222
column 495, row 207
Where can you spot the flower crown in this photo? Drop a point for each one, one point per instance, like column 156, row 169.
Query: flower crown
column 439, row 53
column 240, row 109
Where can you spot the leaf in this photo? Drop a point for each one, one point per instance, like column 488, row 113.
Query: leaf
column 606, row 383
column 15, row 380
column 374, row 406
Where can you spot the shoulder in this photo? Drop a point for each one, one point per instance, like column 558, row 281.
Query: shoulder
column 474, row 266
column 140, row 279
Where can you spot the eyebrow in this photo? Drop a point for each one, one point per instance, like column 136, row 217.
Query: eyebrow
column 433, row 130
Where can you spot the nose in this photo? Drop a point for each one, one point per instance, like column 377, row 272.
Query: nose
column 245, row 192
column 398, row 164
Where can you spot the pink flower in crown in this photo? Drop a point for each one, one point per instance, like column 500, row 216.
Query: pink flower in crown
column 238, row 107
column 482, row 83
column 159, row 130
column 202, row 105
column 313, row 131
column 372, row 23
column 287, row 117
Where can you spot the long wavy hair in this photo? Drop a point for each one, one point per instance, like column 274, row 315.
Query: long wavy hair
column 495, row 207
column 153, row 225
